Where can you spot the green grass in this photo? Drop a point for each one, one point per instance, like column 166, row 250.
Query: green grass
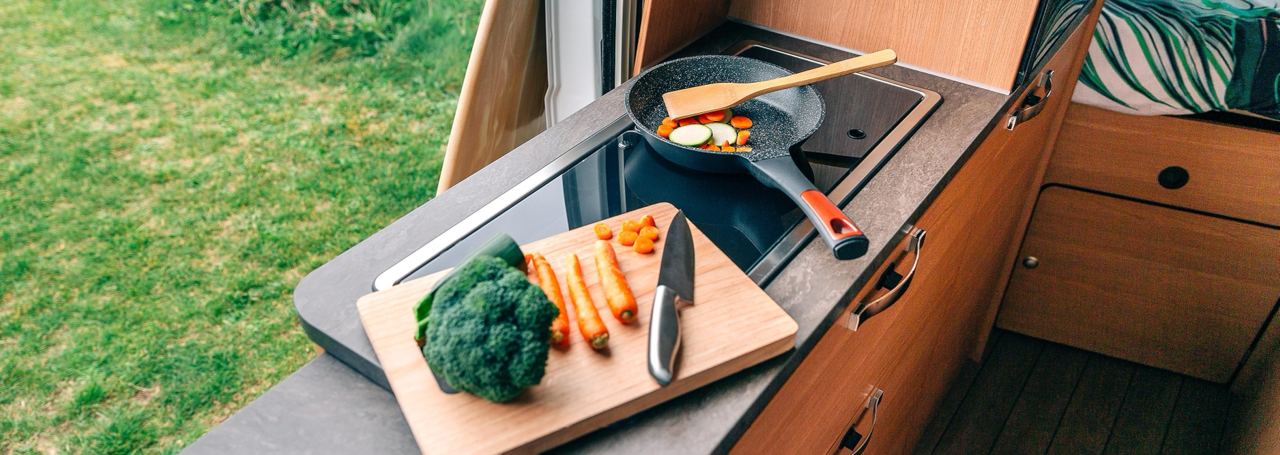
column 164, row 185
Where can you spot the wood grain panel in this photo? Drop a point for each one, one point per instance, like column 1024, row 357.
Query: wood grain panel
column 992, row 397
column 733, row 325
column 501, row 103
column 1198, row 420
column 1233, row 171
column 1094, row 406
column 975, row 41
column 1144, row 417
column 1158, row 286
column 1044, row 399
column 666, row 26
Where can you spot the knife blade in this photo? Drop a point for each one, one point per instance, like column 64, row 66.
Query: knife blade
column 674, row 291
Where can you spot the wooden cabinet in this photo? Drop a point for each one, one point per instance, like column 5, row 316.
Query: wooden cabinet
column 1169, row 258
column 914, row 349
column 1159, row 286
column 1209, row 167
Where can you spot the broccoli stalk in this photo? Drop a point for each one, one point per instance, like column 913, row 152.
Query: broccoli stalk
column 488, row 331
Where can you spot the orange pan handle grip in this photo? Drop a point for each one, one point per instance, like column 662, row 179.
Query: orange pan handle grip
column 845, row 238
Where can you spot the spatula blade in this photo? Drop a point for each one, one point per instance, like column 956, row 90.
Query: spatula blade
column 702, row 99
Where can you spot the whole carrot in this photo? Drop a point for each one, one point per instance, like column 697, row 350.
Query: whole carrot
column 589, row 323
column 551, row 287
column 617, row 293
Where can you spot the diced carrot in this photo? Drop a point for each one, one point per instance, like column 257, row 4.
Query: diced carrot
column 724, row 144
column 704, row 119
column 688, row 121
column 602, row 231
column 628, row 238
column 667, row 121
column 743, row 135
column 664, row 130
column 745, row 148
column 631, row 225
column 728, row 148
column 714, row 147
column 647, row 220
column 649, row 232
column 740, row 122
column 717, row 116
column 643, row 246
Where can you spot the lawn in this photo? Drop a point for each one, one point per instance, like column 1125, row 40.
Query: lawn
column 165, row 181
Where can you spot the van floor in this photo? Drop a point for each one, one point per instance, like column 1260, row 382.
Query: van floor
column 1032, row 397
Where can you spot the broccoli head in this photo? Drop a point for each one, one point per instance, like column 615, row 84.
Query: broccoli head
column 488, row 331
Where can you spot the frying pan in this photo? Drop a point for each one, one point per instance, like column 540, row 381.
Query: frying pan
column 780, row 119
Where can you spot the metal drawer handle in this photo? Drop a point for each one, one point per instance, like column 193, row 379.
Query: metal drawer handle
column 873, row 404
column 1033, row 104
column 865, row 310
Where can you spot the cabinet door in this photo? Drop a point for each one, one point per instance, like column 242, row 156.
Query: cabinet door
column 827, row 391
column 1158, row 286
column 974, row 228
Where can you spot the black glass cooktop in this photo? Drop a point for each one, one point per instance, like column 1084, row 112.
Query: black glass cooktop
column 745, row 219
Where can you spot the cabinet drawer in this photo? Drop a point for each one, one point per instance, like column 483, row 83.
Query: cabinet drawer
column 1158, row 286
column 1229, row 170
column 827, row 393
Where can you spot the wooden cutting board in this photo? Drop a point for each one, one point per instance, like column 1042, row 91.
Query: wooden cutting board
column 733, row 325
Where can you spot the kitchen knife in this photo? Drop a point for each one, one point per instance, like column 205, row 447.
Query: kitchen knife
column 675, row 290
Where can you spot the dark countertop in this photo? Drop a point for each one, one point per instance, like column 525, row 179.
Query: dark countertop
column 325, row 408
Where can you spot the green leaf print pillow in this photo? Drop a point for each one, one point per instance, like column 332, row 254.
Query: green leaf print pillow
column 1168, row 57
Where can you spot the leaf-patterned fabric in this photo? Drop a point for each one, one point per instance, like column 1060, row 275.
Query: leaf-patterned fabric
column 1167, row 57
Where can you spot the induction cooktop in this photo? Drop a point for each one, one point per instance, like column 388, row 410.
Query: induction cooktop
column 868, row 117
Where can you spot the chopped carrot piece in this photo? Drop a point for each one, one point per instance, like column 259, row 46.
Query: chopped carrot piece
column 647, row 220
column 667, row 121
column 602, row 231
column 649, row 232
column 688, row 121
column 717, row 116
column 745, row 148
column 631, row 225
column 728, row 148
column 643, row 246
column 740, row 122
column 704, row 119
column 628, row 238
column 664, row 130
column 714, row 147
column 743, row 135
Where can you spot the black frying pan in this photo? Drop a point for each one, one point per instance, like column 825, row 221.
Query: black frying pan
column 781, row 120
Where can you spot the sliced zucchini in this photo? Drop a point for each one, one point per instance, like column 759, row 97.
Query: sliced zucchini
column 691, row 135
column 721, row 132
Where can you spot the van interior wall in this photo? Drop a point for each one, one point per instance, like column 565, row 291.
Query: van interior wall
column 980, row 42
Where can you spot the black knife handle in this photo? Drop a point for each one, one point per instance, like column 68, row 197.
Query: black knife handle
column 664, row 335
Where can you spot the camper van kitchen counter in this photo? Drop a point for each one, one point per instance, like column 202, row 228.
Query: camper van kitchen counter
column 891, row 140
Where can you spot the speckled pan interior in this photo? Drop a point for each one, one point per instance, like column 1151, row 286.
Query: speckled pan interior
column 780, row 119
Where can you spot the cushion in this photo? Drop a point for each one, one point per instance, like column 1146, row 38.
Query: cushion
column 1163, row 57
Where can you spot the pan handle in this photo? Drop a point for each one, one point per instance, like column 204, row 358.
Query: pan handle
column 841, row 234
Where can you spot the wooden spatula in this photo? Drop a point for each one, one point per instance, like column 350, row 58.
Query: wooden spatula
column 714, row 97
